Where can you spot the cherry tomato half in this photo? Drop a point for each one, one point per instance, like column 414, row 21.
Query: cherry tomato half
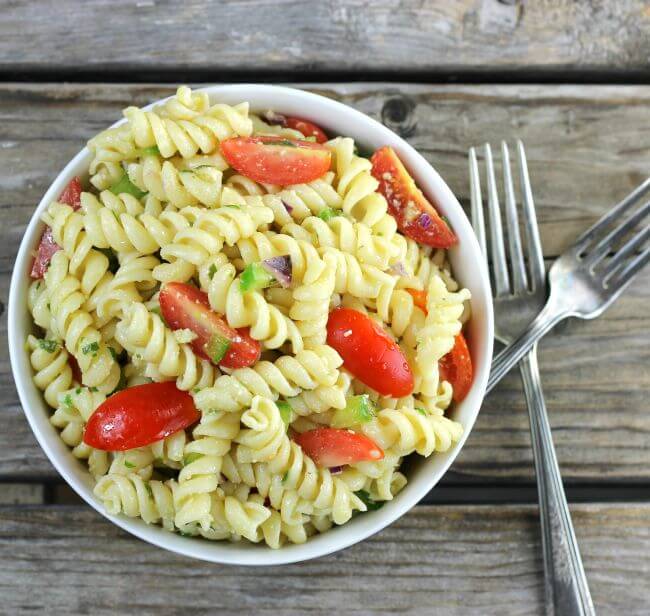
column 186, row 307
column 456, row 367
column 415, row 215
column 329, row 447
column 276, row 160
column 140, row 415
column 369, row 353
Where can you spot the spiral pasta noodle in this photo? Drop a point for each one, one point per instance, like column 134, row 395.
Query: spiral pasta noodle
column 76, row 327
column 292, row 508
column 198, row 478
column 125, row 226
column 207, row 235
column 136, row 497
column 403, row 431
column 267, row 322
column 143, row 334
column 436, row 338
column 52, row 372
column 313, row 370
column 109, row 149
column 84, row 262
column 315, row 485
column 348, row 236
column 289, row 205
column 188, row 136
column 180, row 187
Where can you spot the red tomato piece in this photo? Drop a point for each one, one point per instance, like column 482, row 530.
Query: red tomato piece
column 456, row 367
column 140, row 415
column 419, row 299
column 47, row 246
column 308, row 129
column 276, row 160
column 329, row 447
column 415, row 215
column 72, row 193
column 186, row 307
column 369, row 353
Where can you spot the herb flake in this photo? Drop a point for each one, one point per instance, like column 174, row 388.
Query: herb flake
column 48, row 345
column 371, row 505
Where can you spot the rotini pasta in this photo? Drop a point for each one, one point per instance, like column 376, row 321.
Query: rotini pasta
column 144, row 335
column 206, row 236
column 188, row 136
column 314, row 370
column 180, row 268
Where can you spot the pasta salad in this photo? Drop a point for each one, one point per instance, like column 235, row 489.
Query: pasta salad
column 243, row 324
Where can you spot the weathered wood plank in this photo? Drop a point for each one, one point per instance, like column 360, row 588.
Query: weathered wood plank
column 22, row 494
column 474, row 560
column 586, row 148
column 422, row 37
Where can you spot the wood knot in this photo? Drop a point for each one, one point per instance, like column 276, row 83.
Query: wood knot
column 398, row 115
column 2, row 308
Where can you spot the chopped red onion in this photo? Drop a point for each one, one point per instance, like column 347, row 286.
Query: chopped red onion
column 274, row 118
column 279, row 268
column 424, row 220
column 398, row 269
column 335, row 470
column 287, row 206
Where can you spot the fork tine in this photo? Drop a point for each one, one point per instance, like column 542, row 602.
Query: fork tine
column 622, row 278
column 533, row 242
column 604, row 245
column 630, row 247
column 519, row 281
column 478, row 221
column 501, row 278
column 582, row 243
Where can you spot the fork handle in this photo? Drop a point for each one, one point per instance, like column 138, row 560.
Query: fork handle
column 566, row 589
column 513, row 353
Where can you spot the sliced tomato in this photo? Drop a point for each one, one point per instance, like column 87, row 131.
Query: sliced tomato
column 71, row 195
column 276, row 160
column 419, row 299
column 329, row 447
column 456, row 367
column 46, row 248
column 308, row 129
column 186, row 307
column 140, row 415
column 416, row 217
column 369, row 353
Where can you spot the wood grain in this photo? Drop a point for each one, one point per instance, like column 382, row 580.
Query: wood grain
column 423, row 37
column 22, row 494
column 587, row 147
column 443, row 560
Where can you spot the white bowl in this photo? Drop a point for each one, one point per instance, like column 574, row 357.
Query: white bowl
column 468, row 267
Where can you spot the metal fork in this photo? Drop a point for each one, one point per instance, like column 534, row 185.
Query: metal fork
column 583, row 282
column 516, row 303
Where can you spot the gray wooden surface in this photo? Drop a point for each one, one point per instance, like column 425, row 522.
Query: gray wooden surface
column 587, row 147
column 469, row 561
column 358, row 37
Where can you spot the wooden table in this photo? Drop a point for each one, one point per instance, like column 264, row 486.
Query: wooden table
column 473, row 546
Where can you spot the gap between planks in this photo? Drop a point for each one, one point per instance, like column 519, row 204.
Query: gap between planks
column 449, row 491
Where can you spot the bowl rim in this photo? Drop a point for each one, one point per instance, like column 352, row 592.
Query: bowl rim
column 319, row 109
